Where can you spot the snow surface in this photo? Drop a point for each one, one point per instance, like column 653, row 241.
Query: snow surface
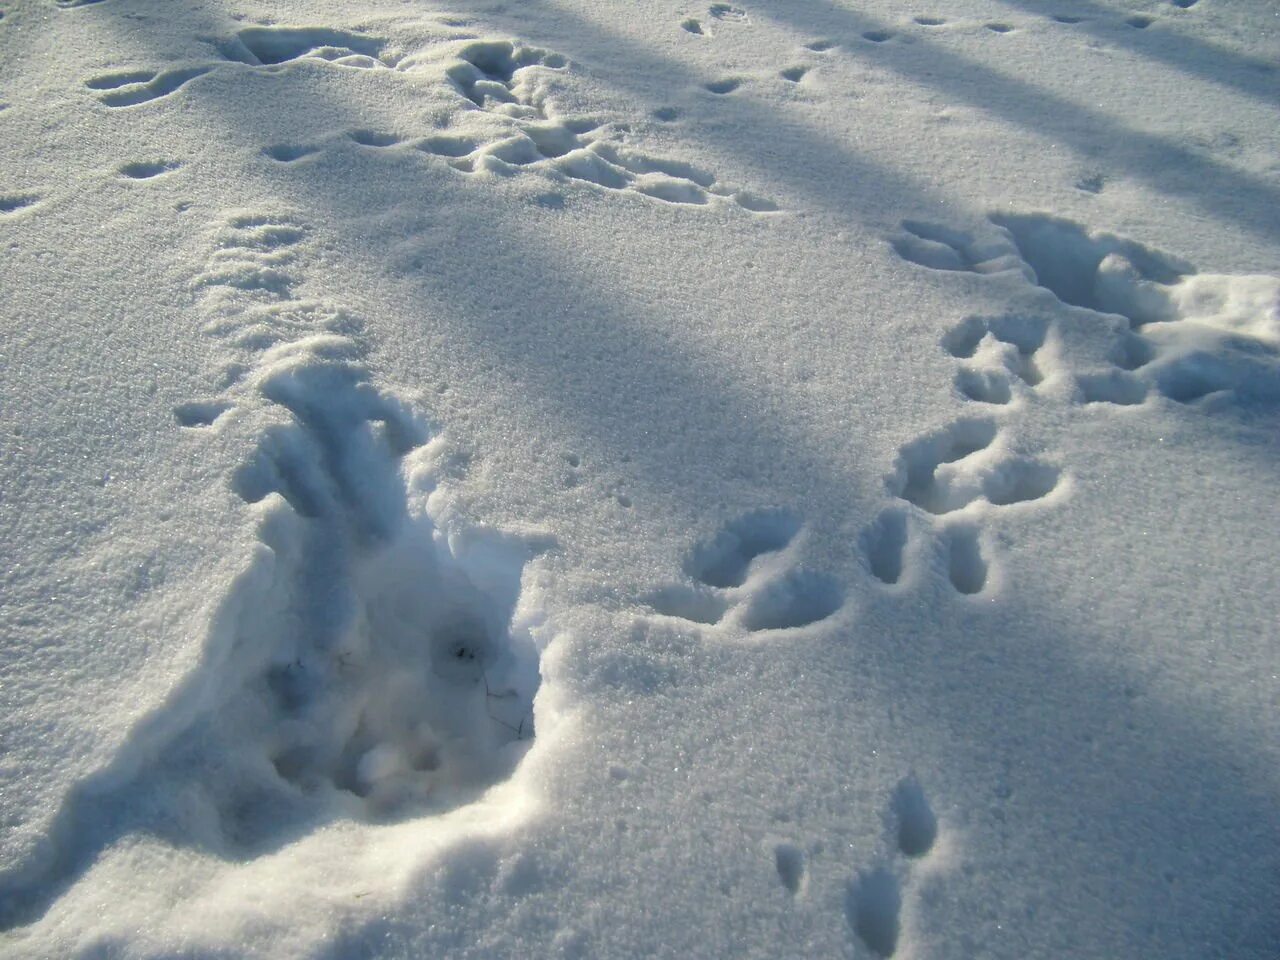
column 601, row 479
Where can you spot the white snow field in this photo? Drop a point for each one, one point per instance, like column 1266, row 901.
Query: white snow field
column 602, row 479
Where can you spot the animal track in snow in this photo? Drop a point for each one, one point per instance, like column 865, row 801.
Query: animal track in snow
column 135, row 87
column 946, row 473
column 794, row 74
column 11, row 203
column 1092, row 183
column 917, row 826
column 966, row 565
column 789, row 861
column 113, row 81
column 1001, row 351
column 256, row 47
column 874, row 898
column 1069, row 262
column 726, row 85
column 878, row 36
column 874, row 903
column 146, row 170
column 941, row 477
column 728, row 13
column 486, row 71
column 884, row 543
column 794, row 599
column 506, row 80
column 1114, row 386
column 692, row 25
column 200, row 413
column 289, row 152
column 252, row 256
column 725, row 560
column 949, row 470
column 1192, row 335
column 746, row 576
column 411, row 684
column 943, row 248
column 372, row 138
column 269, row 46
column 1010, row 343
column 449, row 146
column 984, row 386
column 401, row 753
column 918, row 482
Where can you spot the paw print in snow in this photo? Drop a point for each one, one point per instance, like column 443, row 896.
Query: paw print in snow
column 948, row 483
column 874, row 899
column 746, row 577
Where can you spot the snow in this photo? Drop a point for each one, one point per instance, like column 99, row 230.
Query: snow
column 639, row 479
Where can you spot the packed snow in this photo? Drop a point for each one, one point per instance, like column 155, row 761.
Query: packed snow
column 585, row 478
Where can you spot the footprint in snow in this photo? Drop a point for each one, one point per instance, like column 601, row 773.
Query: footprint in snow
column 493, row 75
column 790, row 862
column 290, row 152
column 746, row 577
column 1192, row 337
column 11, row 203
column 936, row 481
column 876, row 897
column 723, row 86
column 135, row 87
column 1196, row 339
column 1094, row 182
column 200, row 413
column 728, row 13
column 148, row 170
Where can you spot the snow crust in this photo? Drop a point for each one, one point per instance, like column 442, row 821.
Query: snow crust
column 602, row 479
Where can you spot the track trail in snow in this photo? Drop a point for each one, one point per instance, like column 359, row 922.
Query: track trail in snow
column 370, row 664
column 1210, row 342
column 504, row 122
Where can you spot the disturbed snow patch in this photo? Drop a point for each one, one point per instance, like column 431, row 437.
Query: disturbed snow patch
column 496, row 100
column 369, row 665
